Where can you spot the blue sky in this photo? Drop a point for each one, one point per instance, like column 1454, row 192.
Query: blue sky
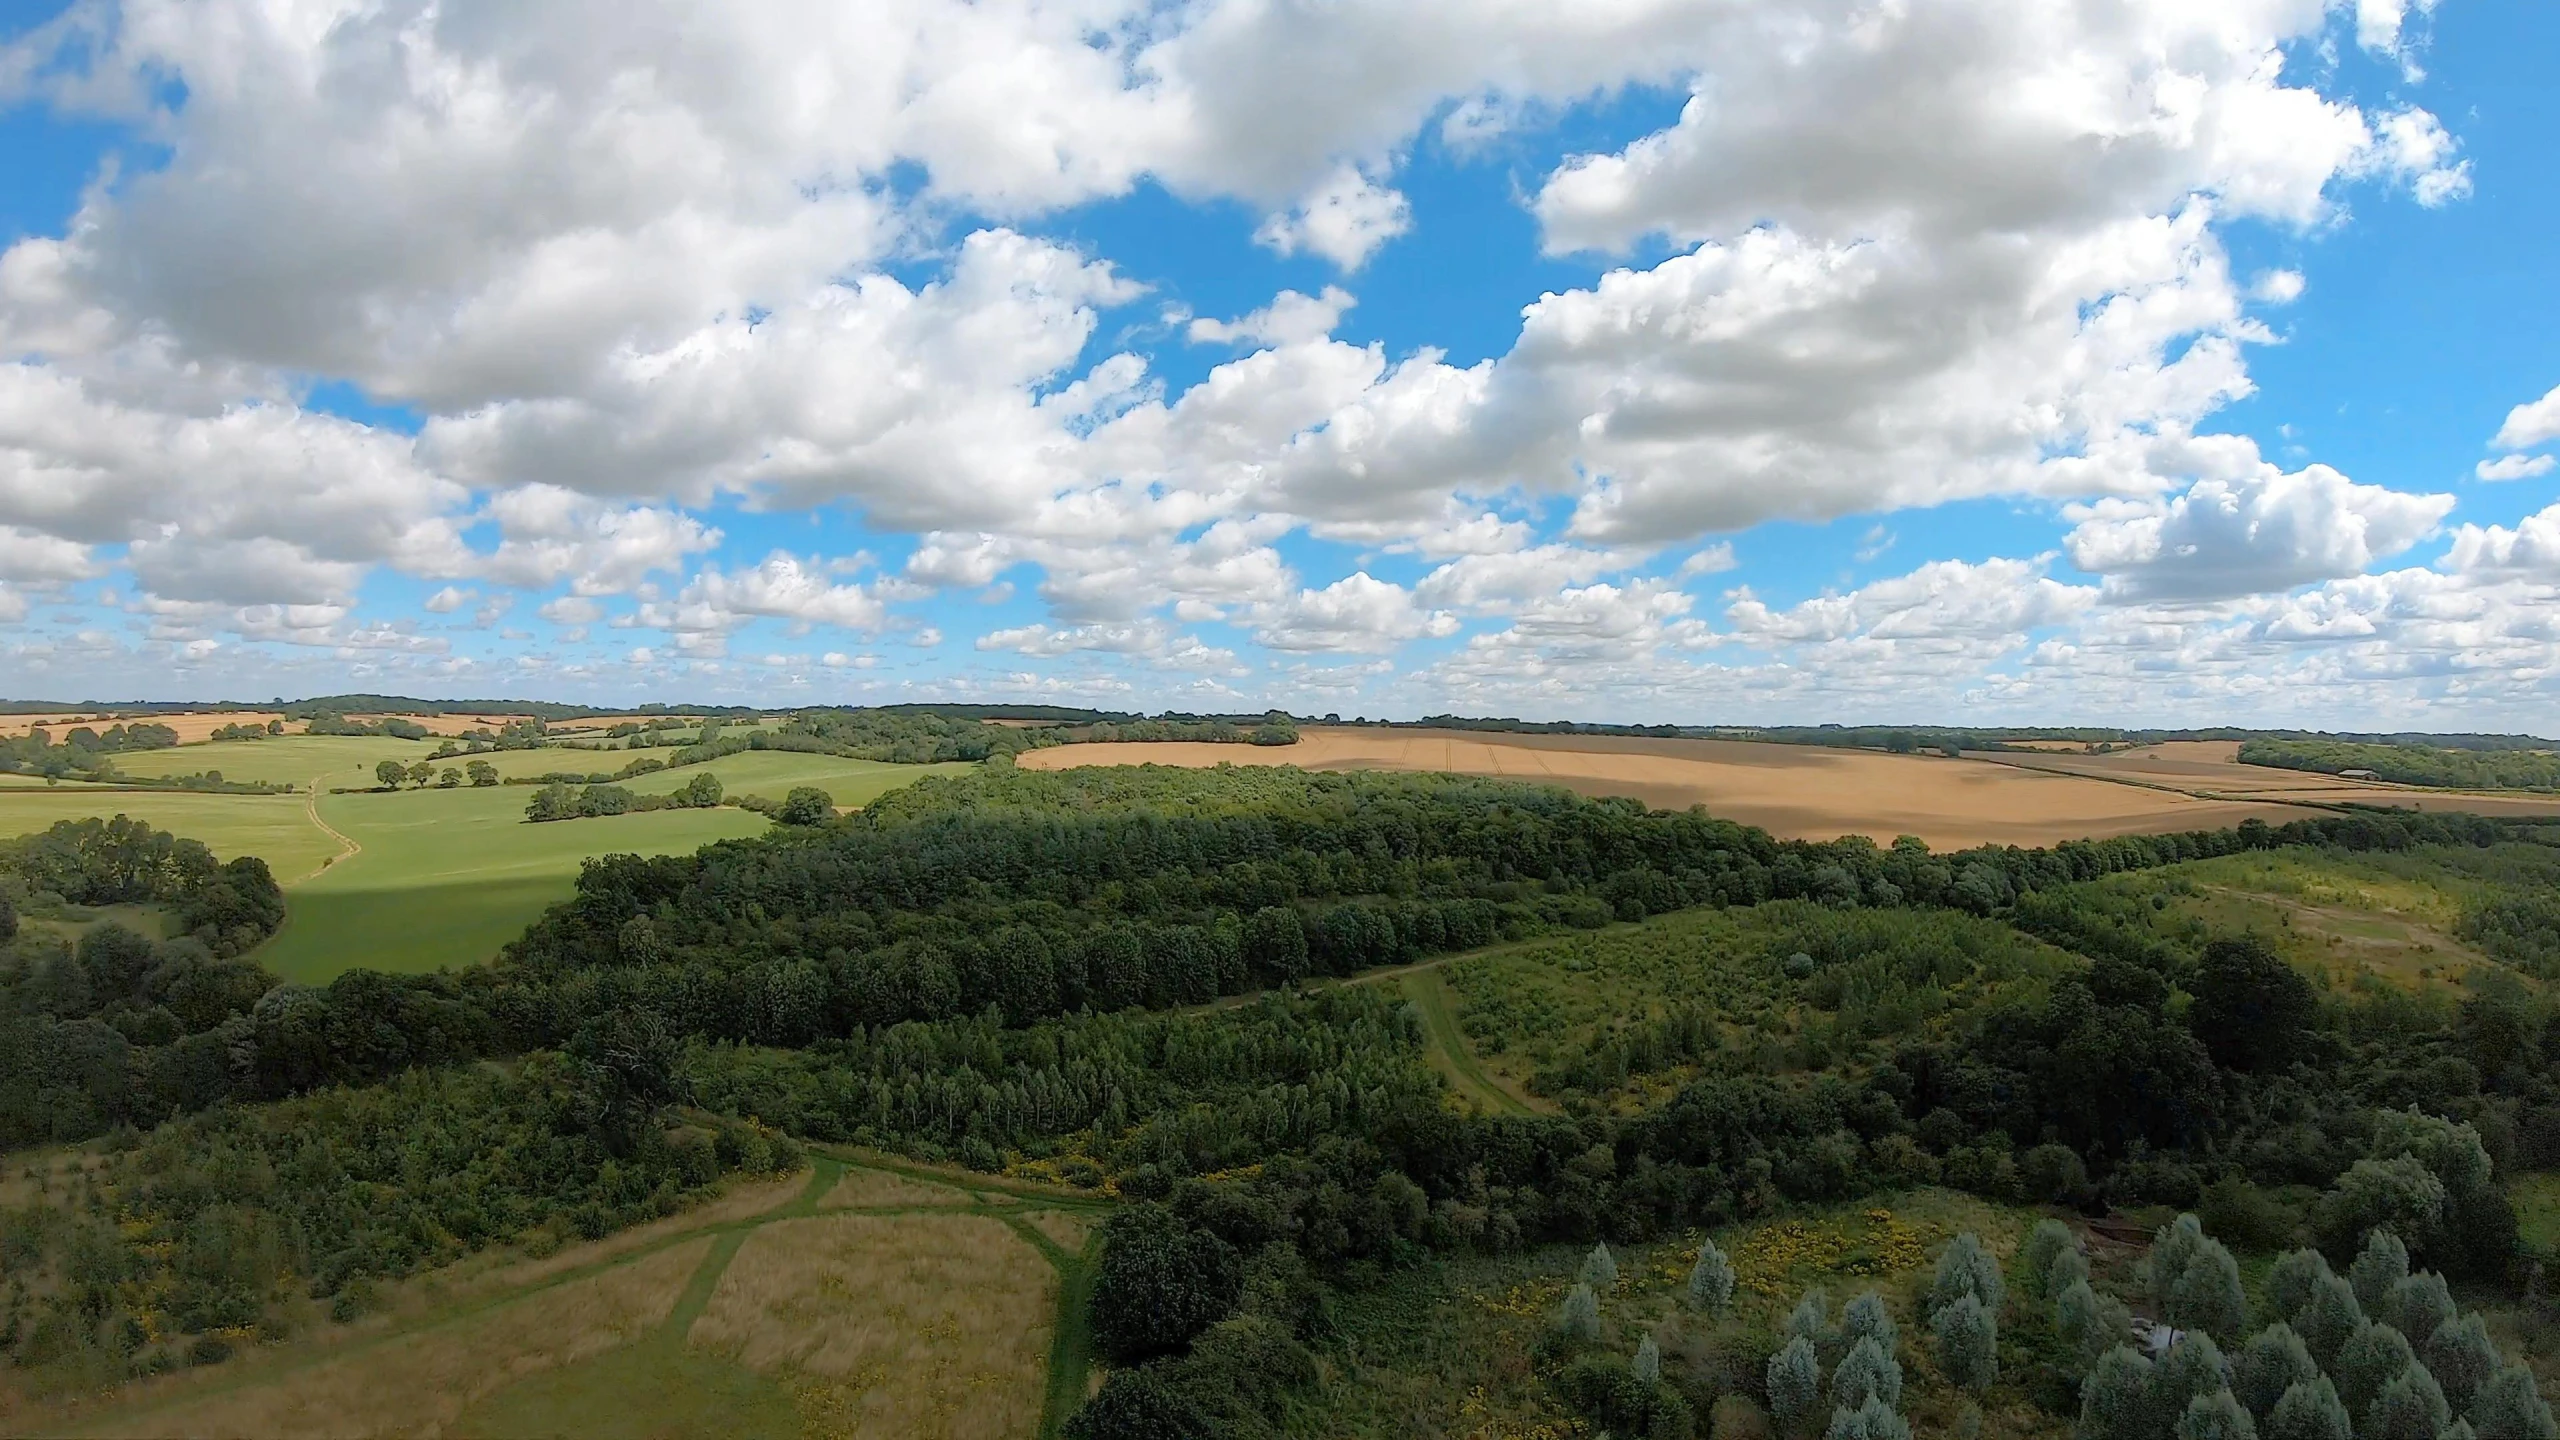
column 1778, row 360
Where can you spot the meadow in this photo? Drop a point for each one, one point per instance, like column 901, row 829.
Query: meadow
column 865, row 1297
column 417, row 880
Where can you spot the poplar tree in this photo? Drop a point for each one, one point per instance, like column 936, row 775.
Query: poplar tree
column 1968, row 1344
column 1711, row 1281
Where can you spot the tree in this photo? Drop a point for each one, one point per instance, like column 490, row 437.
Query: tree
column 2274, row 1361
column 2193, row 1367
column 1578, row 1319
column 389, row 773
column 1795, row 1386
column 2418, row 1304
column 1161, row 1283
column 551, row 802
column 2036, row 1256
column 1600, row 1268
column 1711, row 1281
column 1865, row 1318
column 1874, row 1420
column 806, row 805
column 421, row 772
column 1866, row 1371
column 1968, row 1343
column 2510, row 1405
column 1965, row 1268
column 2090, row 1324
column 9, row 932
column 2251, row 1009
column 2373, row 1357
column 1647, row 1366
column 2218, row 1416
column 2065, row 1270
column 2309, row 1411
column 1137, row 1404
column 2461, row 1358
column 1811, row 1320
column 2411, row 1407
column 2290, row 1284
column 2206, row 1297
column 482, row 773
column 2115, row 1400
column 2380, row 1265
column 448, row 778
column 2332, row 1316
column 701, row 792
column 2171, row 1248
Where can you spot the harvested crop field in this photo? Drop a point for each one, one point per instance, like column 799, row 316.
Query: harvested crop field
column 191, row 727
column 2211, row 769
column 1795, row 791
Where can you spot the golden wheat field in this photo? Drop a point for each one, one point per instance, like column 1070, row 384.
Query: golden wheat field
column 1805, row 792
column 191, row 726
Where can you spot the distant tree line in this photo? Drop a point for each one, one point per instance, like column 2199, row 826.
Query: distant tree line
column 2412, row 764
column 84, row 753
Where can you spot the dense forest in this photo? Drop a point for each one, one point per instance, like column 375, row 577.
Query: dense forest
column 2503, row 769
column 1015, row 969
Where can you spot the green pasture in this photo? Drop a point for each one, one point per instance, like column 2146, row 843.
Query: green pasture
column 276, row 828
column 446, row 877
column 285, row 759
column 440, row 877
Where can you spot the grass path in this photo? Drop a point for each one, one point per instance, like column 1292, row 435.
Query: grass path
column 1429, row 991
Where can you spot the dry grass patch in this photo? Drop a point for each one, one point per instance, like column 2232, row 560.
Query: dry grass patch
column 884, row 1190
column 415, row 1383
column 1793, row 791
column 928, row 1326
column 494, row 1272
column 1065, row 1228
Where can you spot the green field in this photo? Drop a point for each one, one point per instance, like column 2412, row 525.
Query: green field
column 439, row 877
column 276, row 828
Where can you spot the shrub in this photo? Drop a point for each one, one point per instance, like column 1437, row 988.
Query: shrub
column 1600, row 1268
column 2206, row 1297
column 2418, row 1304
column 2297, row 1274
column 2035, row 1259
column 1647, row 1366
column 2330, row 1319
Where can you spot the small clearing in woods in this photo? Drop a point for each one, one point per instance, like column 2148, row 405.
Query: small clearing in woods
column 860, row 1298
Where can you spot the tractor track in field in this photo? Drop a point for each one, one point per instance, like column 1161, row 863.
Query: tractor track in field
column 311, row 808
